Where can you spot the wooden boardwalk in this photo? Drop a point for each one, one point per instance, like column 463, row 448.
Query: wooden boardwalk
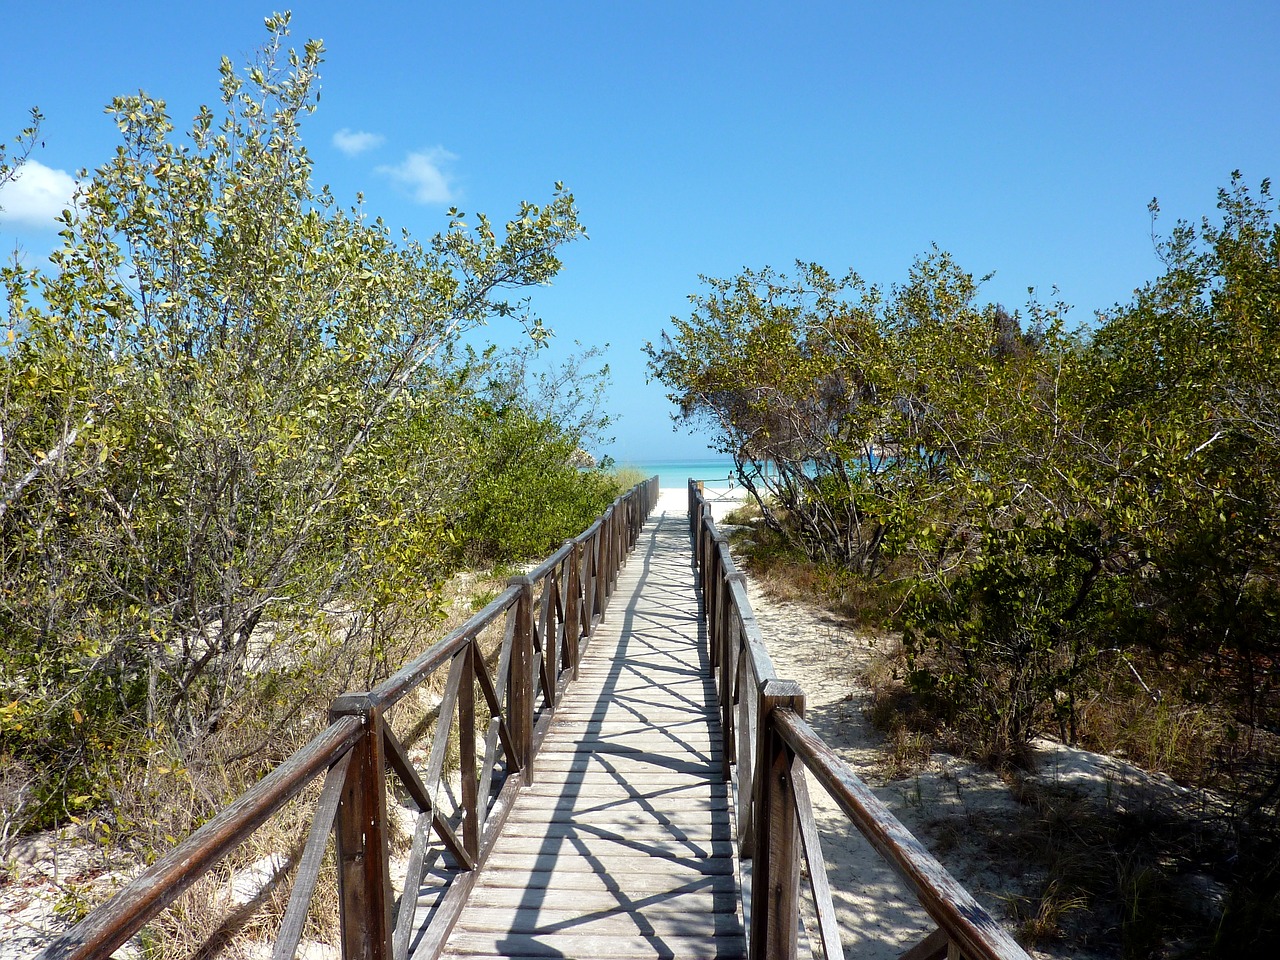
column 617, row 838
column 623, row 844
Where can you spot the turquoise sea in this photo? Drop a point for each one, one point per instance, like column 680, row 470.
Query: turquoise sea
column 713, row 472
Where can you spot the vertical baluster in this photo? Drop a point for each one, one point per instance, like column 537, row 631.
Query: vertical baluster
column 589, row 566
column 467, row 751
column 602, row 563
column 572, row 609
column 520, row 679
column 775, row 871
column 728, row 646
column 747, row 696
column 364, row 874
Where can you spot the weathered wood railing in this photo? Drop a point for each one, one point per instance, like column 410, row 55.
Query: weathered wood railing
column 766, row 737
column 545, row 617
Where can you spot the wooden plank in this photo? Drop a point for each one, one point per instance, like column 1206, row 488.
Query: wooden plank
column 364, row 878
column 653, row 715
column 623, row 724
column 664, row 848
column 694, row 688
column 672, row 736
column 969, row 927
column 166, row 879
column 622, row 807
column 932, row 947
column 421, row 860
column 571, row 782
column 591, row 948
column 775, row 876
column 828, row 924
column 590, row 899
column 467, row 769
column 673, row 742
column 581, row 777
column 615, row 864
column 638, row 884
column 443, row 912
column 705, row 816
column 609, row 751
column 695, row 828
column 566, row 780
column 659, row 668
column 663, row 919
column 653, row 831
column 604, row 749
column 418, row 791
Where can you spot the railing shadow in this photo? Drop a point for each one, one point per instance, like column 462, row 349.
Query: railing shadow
column 636, row 777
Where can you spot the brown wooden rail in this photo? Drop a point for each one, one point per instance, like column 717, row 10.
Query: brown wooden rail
column 546, row 617
column 774, row 750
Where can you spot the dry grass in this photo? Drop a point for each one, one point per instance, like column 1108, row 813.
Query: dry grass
column 1039, row 920
column 745, row 515
column 911, row 731
column 165, row 792
column 1159, row 730
column 785, row 574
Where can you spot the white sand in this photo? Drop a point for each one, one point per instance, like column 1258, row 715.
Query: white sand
column 879, row 917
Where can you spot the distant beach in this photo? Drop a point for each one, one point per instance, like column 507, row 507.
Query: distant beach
column 713, row 472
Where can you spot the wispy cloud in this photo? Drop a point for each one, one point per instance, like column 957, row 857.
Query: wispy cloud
column 36, row 196
column 423, row 174
column 352, row 142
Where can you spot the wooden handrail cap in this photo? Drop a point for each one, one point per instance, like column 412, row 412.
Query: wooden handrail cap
column 781, row 688
column 352, row 704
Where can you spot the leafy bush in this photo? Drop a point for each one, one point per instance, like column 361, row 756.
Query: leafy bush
column 1012, row 636
column 233, row 434
column 527, row 497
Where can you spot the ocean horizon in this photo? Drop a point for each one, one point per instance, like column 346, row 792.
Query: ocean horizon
column 714, row 472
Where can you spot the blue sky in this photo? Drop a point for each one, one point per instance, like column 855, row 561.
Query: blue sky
column 701, row 138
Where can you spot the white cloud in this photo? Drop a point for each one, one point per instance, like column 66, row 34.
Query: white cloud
column 36, row 195
column 352, row 142
column 422, row 174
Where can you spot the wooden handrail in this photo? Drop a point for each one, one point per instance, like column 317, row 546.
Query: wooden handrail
column 102, row 931
column 770, row 747
column 944, row 898
column 548, row 615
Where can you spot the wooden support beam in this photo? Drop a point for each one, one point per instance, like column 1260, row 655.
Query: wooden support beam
column 364, row 872
column 520, row 680
column 775, row 878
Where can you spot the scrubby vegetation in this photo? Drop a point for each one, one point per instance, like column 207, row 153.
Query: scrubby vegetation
column 245, row 442
column 1075, row 531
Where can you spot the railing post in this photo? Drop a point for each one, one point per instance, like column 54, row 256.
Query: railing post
column 467, row 769
column 616, row 547
column 775, row 878
column 549, row 631
column 590, row 572
column 603, row 572
column 716, row 599
column 520, row 679
column 706, row 545
column 727, row 673
column 360, row 832
column 571, row 649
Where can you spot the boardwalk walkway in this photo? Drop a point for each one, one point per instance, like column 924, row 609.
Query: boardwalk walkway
column 622, row 846
column 615, row 839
